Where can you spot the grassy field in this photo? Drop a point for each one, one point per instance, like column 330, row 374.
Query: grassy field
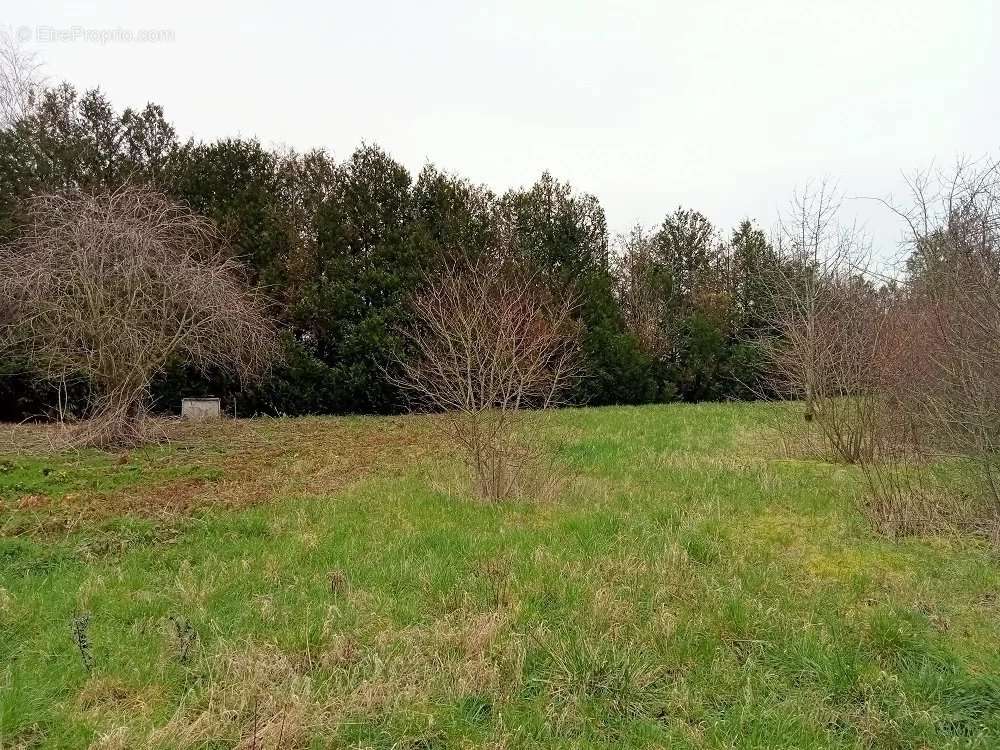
column 324, row 583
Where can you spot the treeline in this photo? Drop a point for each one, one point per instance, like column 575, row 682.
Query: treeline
column 340, row 246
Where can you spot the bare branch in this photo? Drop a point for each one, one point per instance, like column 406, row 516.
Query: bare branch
column 20, row 80
column 490, row 341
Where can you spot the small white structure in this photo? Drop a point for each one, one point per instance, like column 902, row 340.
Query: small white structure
column 201, row 408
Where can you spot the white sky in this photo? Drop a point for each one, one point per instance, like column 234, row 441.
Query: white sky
column 724, row 107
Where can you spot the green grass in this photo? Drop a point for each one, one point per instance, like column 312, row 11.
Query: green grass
column 91, row 471
column 688, row 586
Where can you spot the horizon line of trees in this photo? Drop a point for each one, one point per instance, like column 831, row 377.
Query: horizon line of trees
column 391, row 290
column 339, row 247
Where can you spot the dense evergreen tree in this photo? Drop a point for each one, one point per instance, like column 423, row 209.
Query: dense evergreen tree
column 452, row 217
column 70, row 140
column 237, row 184
column 367, row 265
column 564, row 236
column 340, row 247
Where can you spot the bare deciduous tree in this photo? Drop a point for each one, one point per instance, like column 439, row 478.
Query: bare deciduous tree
column 954, row 223
column 829, row 322
column 642, row 292
column 904, row 378
column 20, row 79
column 113, row 287
column 490, row 341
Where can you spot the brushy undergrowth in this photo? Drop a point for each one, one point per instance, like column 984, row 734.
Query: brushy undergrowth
column 325, row 584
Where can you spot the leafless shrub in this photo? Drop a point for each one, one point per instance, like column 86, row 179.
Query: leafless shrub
column 831, row 323
column 905, row 495
column 952, row 392
column 490, row 341
column 904, row 378
column 901, row 379
column 113, row 287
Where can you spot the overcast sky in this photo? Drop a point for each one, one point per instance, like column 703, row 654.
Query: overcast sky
column 721, row 106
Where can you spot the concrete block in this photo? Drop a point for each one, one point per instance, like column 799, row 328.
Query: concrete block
column 201, row 408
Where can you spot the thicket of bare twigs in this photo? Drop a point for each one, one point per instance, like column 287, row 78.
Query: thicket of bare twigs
column 952, row 389
column 902, row 376
column 110, row 288
column 826, row 321
column 491, row 340
column 641, row 295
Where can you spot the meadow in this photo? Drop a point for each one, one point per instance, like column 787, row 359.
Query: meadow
column 331, row 582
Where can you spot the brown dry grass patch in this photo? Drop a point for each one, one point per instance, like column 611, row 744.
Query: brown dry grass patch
column 254, row 695
column 237, row 464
